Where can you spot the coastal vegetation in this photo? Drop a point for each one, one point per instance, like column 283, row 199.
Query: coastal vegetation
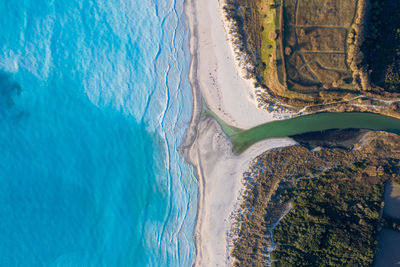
column 246, row 36
column 332, row 221
column 316, row 205
column 320, row 55
column 382, row 45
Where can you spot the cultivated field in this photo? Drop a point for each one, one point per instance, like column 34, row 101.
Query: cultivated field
column 307, row 54
column 315, row 38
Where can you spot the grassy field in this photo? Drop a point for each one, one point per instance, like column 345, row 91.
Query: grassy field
column 268, row 26
column 315, row 43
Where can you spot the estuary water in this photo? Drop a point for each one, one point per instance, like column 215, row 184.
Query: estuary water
column 243, row 139
column 94, row 103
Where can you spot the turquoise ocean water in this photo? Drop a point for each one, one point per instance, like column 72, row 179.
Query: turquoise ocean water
column 94, row 103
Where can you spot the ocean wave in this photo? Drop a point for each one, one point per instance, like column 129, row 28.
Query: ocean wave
column 107, row 97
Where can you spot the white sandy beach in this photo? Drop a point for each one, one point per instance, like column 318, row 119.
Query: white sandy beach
column 220, row 181
column 222, row 87
column 217, row 83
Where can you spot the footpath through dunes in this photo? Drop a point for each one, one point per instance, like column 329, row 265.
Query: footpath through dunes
column 243, row 139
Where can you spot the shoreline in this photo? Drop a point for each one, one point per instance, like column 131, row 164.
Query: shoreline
column 217, row 84
column 215, row 73
column 220, row 176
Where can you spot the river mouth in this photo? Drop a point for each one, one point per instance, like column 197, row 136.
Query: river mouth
column 243, row 139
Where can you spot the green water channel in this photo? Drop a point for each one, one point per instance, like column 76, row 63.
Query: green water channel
column 243, row 139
